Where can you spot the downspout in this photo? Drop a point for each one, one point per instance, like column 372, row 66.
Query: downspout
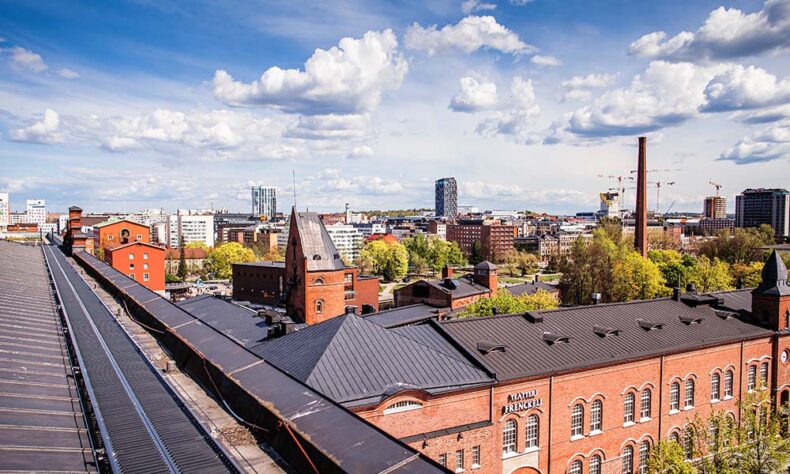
column 660, row 396
column 740, row 386
column 551, row 402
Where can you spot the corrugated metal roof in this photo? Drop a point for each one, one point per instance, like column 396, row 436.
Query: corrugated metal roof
column 462, row 287
column 237, row 322
column 528, row 353
column 737, row 300
column 41, row 421
column 317, row 245
column 352, row 361
column 404, row 315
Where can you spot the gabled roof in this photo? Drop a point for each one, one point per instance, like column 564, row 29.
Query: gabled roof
column 317, row 245
column 530, row 288
column 774, row 277
column 529, row 354
column 404, row 315
column 460, row 287
column 354, row 361
column 485, row 265
column 112, row 246
column 115, row 221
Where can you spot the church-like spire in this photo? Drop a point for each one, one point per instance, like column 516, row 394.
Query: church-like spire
column 774, row 277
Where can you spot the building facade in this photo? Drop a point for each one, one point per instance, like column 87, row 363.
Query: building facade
column 715, row 207
column 347, row 239
column 264, row 201
column 5, row 212
column 495, row 240
column 190, row 228
column 36, row 211
column 759, row 206
column 450, row 292
column 446, row 190
column 140, row 261
column 119, row 232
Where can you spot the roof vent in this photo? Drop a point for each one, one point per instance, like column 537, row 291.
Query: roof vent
column 604, row 331
column 487, row 347
column 336, row 256
column 316, row 257
column 689, row 320
column 534, row 317
column 450, row 283
column 649, row 326
column 724, row 314
column 552, row 338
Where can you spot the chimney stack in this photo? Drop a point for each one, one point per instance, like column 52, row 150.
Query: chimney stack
column 640, row 242
column 447, row 272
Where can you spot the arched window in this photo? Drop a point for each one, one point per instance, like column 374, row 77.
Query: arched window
column 713, row 434
column 595, row 464
column 124, row 235
column 404, row 405
column 764, row 375
column 688, row 442
column 644, row 451
column 751, row 382
column 576, row 467
column 715, row 382
column 509, row 437
column 728, row 378
column 628, row 460
column 689, row 399
column 596, row 415
column 647, row 398
column 577, row 420
column 674, row 436
column 533, row 426
column 318, row 281
column 674, row 396
column 628, row 408
column 319, row 306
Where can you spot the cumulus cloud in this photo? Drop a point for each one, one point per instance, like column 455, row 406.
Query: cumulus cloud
column 545, row 60
column 67, row 73
column 329, row 127
column 740, row 88
column 467, row 36
column 471, row 6
column 590, row 81
column 767, row 115
column 333, row 181
column 514, row 121
column 727, row 33
column 522, row 195
column 46, row 130
column 474, row 96
column 346, row 79
column 521, row 3
column 27, row 60
column 359, row 152
column 767, row 144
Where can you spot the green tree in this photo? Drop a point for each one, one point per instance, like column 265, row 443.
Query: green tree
column 527, row 263
column 418, row 264
column 511, row 262
column 505, row 303
column 364, row 263
column 389, row 260
column 433, row 252
column 182, row 261
column 750, row 273
column 673, row 265
column 711, row 441
column 710, row 275
column 635, row 277
column 220, row 260
column 667, row 457
column 476, row 255
column 738, row 245
column 589, row 268
column 197, row 244
column 764, row 445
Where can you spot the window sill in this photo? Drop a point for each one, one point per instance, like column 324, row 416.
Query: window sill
column 645, row 419
column 628, row 423
column 715, row 400
column 510, row 455
column 688, row 408
column 672, row 412
column 728, row 397
column 596, row 432
column 576, row 437
column 532, row 449
column 459, row 470
column 475, row 466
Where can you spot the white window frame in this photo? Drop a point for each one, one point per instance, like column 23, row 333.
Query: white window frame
column 459, row 460
column 688, row 394
column 131, row 256
column 729, row 378
column 145, row 255
column 715, row 387
column 751, row 380
column 595, row 464
column 401, row 406
column 674, row 397
column 764, row 374
column 146, row 277
column 509, row 437
column 644, row 453
column 628, row 455
column 645, row 404
column 577, row 421
column 596, row 417
column 532, row 431
column 475, row 456
column 629, row 408
column 576, row 467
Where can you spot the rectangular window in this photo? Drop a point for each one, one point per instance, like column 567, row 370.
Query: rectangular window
column 145, row 266
column 131, row 276
column 145, row 277
column 145, row 255
column 131, row 256
column 349, row 278
column 443, row 460
column 674, row 397
column 752, row 380
column 728, row 384
column 131, row 266
column 459, row 460
column 475, row 457
column 764, row 375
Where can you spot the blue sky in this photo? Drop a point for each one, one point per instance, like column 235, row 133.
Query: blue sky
column 128, row 105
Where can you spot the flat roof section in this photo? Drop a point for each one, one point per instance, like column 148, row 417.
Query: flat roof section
column 41, row 421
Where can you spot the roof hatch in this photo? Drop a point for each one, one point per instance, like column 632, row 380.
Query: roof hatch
column 689, row 320
column 605, row 331
column 553, row 338
column 487, row 347
column 649, row 325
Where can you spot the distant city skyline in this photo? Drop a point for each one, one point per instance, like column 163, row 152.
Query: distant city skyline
column 135, row 105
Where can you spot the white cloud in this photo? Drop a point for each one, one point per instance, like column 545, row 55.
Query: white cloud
column 359, row 152
column 329, row 127
column 726, row 33
column 467, row 36
column 25, row 59
column 348, row 78
column 740, row 88
column 545, row 60
column 471, row 6
column 332, row 181
column 767, row 144
column 767, row 115
column 46, row 130
column 514, row 193
column 514, row 121
column 474, row 96
column 521, row 3
column 67, row 73
column 590, row 81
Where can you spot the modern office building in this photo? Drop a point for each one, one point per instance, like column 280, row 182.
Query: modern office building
column 5, row 212
column 192, row 228
column 347, row 239
column 759, row 206
column 264, row 201
column 715, row 207
column 36, row 211
column 446, row 198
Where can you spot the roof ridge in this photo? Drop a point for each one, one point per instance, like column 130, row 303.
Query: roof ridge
column 613, row 303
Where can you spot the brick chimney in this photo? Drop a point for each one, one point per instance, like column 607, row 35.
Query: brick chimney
column 640, row 234
column 447, row 272
column 485, row 275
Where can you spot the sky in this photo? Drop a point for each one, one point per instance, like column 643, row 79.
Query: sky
column 529, row 104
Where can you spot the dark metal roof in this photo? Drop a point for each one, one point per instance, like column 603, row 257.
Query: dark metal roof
column 354, row 361
column 737, row 300
column 238, row 323
column 41, row 422
column 485, row 265
column 261, row 264
column 462, row 287
column 530, row 288
column 528, row 353
column 411, row 314
column 317, row 245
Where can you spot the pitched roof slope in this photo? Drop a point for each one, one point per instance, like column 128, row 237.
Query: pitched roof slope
column 317, row 245
column 530, row 288
column 411, row 314
column 240, row 324
column 354, row 361
column 529, row 351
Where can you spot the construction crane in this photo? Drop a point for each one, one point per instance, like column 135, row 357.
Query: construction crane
column 716, row 185
column 620, row 188
column 658, row 185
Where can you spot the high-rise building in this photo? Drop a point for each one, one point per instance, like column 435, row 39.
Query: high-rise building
column 610, row 205
column 192, row 228
column 5, row 212
column 759, row 206
column 715, row 207
column 36, row 211
column 264, row 201
column 446, row 198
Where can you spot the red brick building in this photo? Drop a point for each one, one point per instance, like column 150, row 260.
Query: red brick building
column 450, row 292
column 313, row 283
column 140, row 261
column 119, row 232
column 573, row 390
column 74, row 239
column 495, row 239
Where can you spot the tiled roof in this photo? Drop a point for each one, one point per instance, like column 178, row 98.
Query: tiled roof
column 317, row 245
column 354, row 361
column 538, row 348
column 404, row 315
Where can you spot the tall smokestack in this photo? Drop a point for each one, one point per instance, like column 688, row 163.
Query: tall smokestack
column 641, row 200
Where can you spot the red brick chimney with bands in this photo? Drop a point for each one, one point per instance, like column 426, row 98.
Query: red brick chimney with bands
column 640, row 242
